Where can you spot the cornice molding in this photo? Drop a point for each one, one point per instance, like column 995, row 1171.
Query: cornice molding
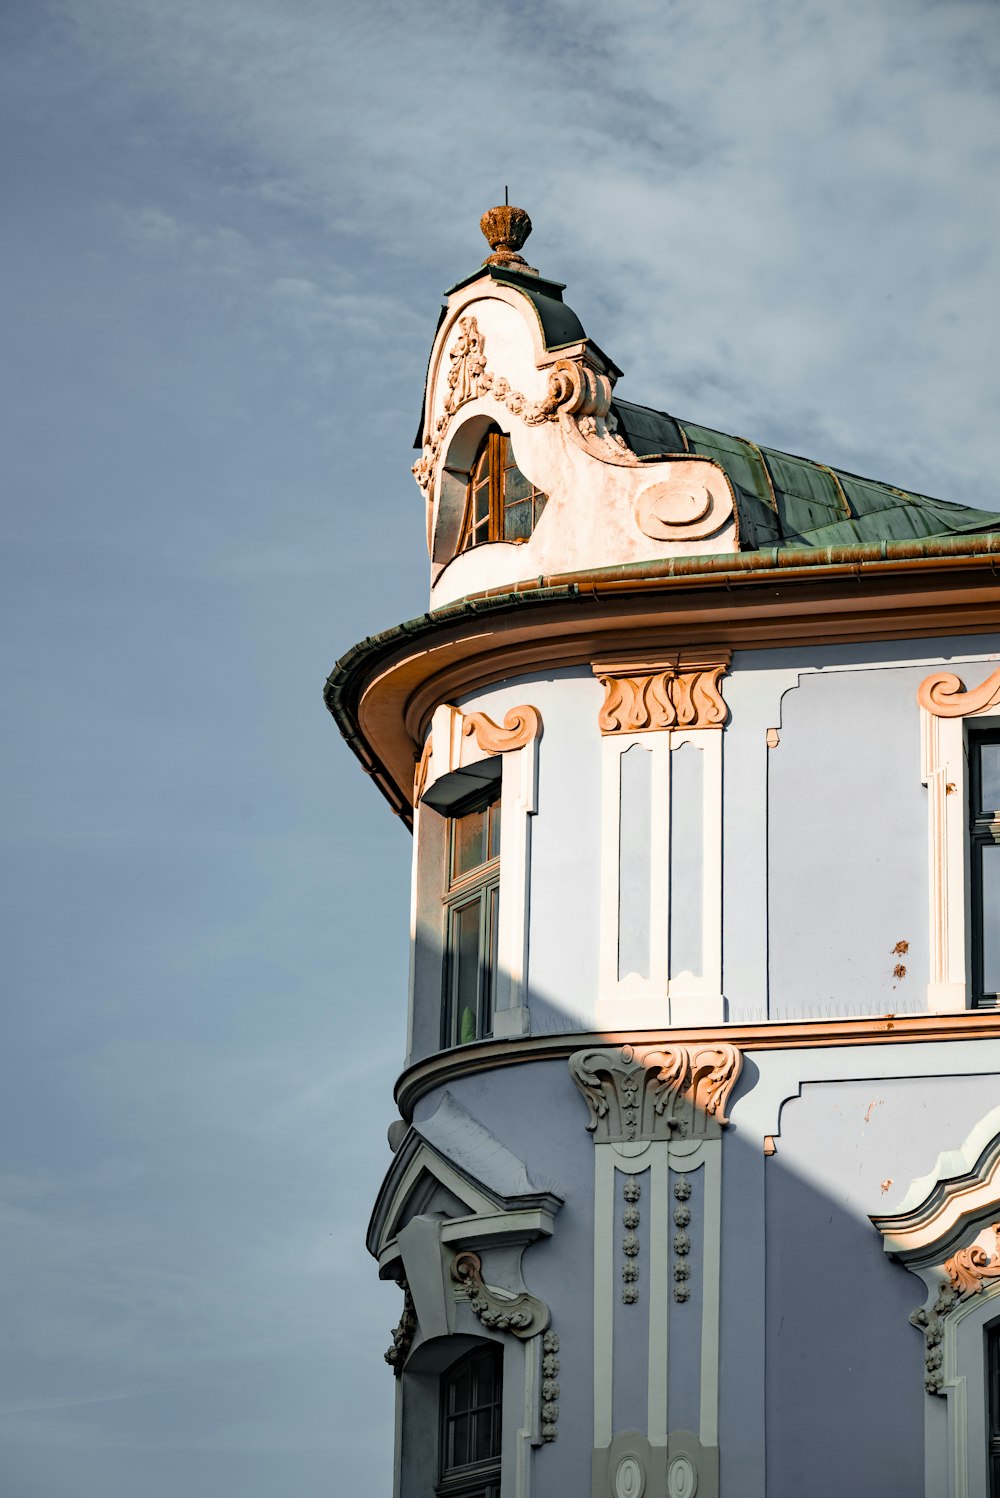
column 437, row 1070
column 675, row 1091
column 681, row 690
column 383, row 693
column 944, row 695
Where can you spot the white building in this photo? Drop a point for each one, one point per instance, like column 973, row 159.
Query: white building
column 699, row 1151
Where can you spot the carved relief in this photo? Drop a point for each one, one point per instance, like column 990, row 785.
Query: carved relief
column 682, row 1241
column 523, row 1315
column 403, row 1333
column 550, row 1386
column 520, row 726
column 683, row 691
column 467, row 364
column 663, row 511
column 944, row 695
column 970, row 1268
column 630, row 1221
column 576, row 393
column 678, row 1090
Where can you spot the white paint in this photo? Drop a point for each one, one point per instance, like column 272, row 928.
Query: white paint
column 944, row 772
column 518, row 804
column 658, row 1295
column 682, row 1478
column 630, row 1480
column 604, row 1290
column 661, row 998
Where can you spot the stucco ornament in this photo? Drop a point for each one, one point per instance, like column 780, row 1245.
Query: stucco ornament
column 403, row 1333
column 522, row 1315
column 577, row 394
column 944, row 695
column 678, row 1090
column 505, row 229
column 683, row 690
column 550, row 1385
column 520, row 726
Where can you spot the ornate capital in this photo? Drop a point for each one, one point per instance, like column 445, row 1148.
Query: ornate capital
column 520, row 726
column 523, row 1315
column 679, row 1090
column 403, row 1333
column 682, row 691
column 944, row 695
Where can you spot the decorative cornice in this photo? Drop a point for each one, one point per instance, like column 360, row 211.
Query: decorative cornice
column 945, row 696
column 522, row 1315
column 682, row 691
column 520, row 726
column 487, row 1055
column 678, row 1090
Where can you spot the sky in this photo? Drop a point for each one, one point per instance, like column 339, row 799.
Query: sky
column 227, row 229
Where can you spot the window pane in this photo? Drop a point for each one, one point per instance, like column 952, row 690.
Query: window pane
column 495, row 830
column 989, row 777
column 458, row 1454
column 465, row 950
column 539, row 504
column 990, row 916
column 515, row 486
column 490, row 984
column 517, row 521
column 470, row 843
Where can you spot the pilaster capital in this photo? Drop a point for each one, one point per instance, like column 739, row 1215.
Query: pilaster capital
column 677, row 1091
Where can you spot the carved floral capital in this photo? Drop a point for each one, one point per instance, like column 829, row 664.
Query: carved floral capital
column 679, row 1090
column 683, row 691
column 945, row 696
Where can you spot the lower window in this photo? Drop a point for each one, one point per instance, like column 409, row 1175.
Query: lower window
column 471, row 1398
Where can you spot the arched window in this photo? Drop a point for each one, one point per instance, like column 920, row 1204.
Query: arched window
column 501, row 504
column 471, row 1396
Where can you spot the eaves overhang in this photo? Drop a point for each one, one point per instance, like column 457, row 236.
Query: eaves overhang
column 383, row 691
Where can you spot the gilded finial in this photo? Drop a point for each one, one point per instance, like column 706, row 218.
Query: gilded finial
column 506, row 228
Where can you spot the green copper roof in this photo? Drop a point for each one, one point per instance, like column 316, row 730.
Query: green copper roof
column 786, row 501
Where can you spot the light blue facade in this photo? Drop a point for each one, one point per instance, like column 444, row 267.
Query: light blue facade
column 737, row 1118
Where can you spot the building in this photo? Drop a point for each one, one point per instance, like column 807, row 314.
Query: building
column 694, row 1184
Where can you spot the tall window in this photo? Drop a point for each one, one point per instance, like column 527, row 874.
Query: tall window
column 984, row 851
column 471, row 1393
column 501, row 504
column 472, row 911
column 993, row 1406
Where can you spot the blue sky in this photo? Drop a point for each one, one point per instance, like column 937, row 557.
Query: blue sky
column 227, row 229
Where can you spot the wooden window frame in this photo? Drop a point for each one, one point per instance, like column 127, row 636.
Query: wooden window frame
column 492, row 454
column 479, row 886
column 474, row 1479
column 984, row 832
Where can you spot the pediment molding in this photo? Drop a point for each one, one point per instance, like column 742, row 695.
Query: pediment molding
column 948, row 1234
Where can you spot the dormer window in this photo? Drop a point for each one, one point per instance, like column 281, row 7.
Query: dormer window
column 501, row 504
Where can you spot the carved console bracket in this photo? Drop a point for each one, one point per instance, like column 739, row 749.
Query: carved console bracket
column 520, row 726
column 944, row 695
column 682, row 690
column 522, row 1315
column 677, row 1091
